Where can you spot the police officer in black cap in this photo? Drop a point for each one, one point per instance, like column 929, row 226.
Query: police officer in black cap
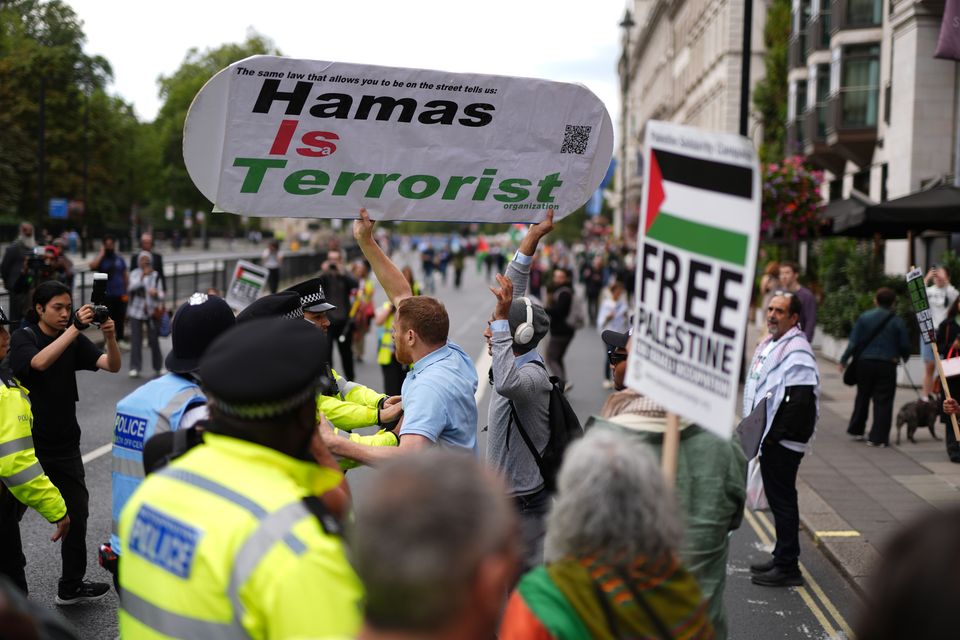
column 285, row 304
column 259, row 499
column 351, row 405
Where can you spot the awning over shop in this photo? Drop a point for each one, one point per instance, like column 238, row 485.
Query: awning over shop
column 936, row 209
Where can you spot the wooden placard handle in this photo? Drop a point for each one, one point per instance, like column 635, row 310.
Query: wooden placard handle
column 671, row 449
column 946, row 389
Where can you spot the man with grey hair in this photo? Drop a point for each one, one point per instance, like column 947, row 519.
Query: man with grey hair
column 451, row 552
column 611, row 551
column 520, row 405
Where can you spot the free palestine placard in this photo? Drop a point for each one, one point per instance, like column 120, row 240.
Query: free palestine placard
column 272, row 136
column 696, row 253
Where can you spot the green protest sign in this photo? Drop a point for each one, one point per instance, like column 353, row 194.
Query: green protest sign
column 918, row 298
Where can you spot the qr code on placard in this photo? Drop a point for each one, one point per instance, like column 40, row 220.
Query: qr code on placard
column 575, row 139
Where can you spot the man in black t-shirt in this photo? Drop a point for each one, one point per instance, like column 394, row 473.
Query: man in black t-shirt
column 45, row 356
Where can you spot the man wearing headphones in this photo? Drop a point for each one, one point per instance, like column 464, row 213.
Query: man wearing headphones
column 522, row 394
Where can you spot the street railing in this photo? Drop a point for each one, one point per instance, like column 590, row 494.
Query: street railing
column 184, row 276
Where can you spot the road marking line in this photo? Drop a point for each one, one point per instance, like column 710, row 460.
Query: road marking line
column 817, row 590
column 755, row 519
column 483, row 369
column 828, row 604
column 765, row 521
column 817, row 613
column 761, row 533
column 836, row 534
column 96, row 453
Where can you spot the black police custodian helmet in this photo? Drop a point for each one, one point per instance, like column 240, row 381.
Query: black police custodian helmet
column 285, row 304
column 195, row 325
column 263, row 368
column 311, row 295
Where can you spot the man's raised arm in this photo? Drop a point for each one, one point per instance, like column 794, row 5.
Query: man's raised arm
column 528, row 246
column 389, row 276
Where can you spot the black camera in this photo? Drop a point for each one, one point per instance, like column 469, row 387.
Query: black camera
column 100, row 311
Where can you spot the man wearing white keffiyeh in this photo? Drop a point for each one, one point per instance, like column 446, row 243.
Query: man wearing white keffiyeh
column 784, row 374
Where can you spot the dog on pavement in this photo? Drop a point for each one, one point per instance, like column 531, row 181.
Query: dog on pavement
column 918, row 413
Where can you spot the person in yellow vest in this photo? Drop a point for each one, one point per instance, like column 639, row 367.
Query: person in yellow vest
column 22, row 481
column 238, row 538
column 393, row 371
column 361, row 307
column 347, row 405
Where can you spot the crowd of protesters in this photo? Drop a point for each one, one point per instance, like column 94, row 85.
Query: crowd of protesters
column 232, row 516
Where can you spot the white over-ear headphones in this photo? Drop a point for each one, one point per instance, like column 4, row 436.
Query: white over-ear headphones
column 524, row 333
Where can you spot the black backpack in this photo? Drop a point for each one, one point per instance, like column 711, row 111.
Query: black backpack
column 564, row 428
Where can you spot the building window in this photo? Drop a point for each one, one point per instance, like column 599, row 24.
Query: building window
column 822, row 84
column 861, row 182
column 860, row 85
column 800, row 15
column 836, row 189
column 884, row 175
column 864, row 13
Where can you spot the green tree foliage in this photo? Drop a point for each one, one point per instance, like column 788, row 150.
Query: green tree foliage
column 770, row 94
column 43, row 64
column 850, row 273
column 177, row 91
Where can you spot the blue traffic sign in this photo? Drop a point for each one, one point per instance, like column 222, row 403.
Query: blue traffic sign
column 58, row 208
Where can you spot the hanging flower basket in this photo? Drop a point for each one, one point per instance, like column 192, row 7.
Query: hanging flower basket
column 791, row 200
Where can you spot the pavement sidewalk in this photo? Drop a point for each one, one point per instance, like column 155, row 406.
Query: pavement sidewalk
column 853, row 498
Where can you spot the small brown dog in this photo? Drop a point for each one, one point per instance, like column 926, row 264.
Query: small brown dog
column 918, row 413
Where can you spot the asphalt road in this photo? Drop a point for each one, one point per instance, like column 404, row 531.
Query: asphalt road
column 825, row 608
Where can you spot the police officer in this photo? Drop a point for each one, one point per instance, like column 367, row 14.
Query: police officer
column 352, row 405
column 347, row 405
column 231, row 540
column 22, row 481
column 171, row 402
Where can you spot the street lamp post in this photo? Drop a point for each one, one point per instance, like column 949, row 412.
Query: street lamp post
column 620, row 217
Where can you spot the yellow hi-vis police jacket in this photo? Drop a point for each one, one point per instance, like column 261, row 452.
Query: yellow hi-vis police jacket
column 353, row 407
column 220, row 545
column 20, row 471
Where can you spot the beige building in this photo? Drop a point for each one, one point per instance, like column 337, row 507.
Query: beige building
column 680, row 62
column 870, row 104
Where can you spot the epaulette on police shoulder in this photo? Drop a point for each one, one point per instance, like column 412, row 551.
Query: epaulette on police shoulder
column 6, row 374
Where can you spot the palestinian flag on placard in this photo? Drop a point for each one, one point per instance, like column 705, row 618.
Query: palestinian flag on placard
column 679, row 186
column 248, row 277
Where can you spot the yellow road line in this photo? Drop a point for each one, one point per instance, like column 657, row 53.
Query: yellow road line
column 752, row 519
column 804, row 594
column 811, row 582
column 836, row 534
column 817, row 612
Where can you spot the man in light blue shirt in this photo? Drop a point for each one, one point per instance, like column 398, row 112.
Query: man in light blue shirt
column 438, row 398
column 438, row 394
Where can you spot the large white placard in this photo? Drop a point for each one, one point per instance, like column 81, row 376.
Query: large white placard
column 272, row 136
column 696, row 254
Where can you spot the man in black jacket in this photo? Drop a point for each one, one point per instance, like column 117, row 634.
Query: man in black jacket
column 11, row 268
column 561, row 331
column 338, row 286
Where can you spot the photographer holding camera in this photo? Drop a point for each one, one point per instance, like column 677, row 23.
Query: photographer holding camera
column 45, row 356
